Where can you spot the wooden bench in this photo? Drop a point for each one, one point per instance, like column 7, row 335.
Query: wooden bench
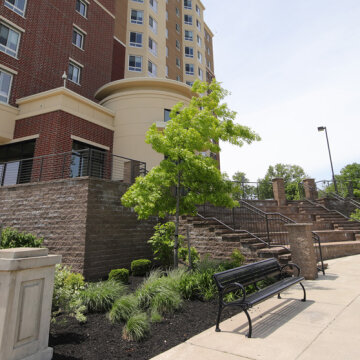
column 237, row 279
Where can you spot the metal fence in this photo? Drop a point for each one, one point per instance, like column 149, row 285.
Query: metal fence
column 245, row 190
column 88, row 162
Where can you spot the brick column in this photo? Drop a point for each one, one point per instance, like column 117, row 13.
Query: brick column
column 310, row 189
column 279, row 191
column 302, row 249
column 26, row 288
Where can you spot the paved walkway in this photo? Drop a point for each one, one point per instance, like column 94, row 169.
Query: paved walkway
column 327, row 326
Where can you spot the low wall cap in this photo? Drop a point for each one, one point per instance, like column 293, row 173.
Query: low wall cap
column 22, row 253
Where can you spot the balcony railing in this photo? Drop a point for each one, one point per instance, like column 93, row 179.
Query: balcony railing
column 88, row 162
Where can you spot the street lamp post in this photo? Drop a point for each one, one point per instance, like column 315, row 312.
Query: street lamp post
column 322, row 128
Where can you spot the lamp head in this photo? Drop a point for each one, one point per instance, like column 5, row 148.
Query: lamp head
column 321, row 128
column 64, row 76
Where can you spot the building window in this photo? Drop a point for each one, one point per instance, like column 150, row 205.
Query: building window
column 189, row 51
column 177, row 27
column 167, row 33
column 189, row 35
column 137, row 17
column 152, row 69
column 188, row 19
column 9, row 40
column 81, row 7
column 135, row 39
column 198, row 10
column 177, row 44
column 17, row 6
column 198, row 39
column 178, row 78
column 135, row 63
column 139, row 1
column 153, row 25
column 78, row 39
column 166, row 70
column 5, row 86
column 200, row 74
column 208, row 63
column 189, row 69
column 198, row 24
column 199, row 57
column 177, row 12
column 167, row 51
column 154, row 5
column 167, row 115
column 208, row 51
column 152, row 46
column 178, row 62
column 190, row 83
column 187, row 4
column 167, row 16
column 74, row 73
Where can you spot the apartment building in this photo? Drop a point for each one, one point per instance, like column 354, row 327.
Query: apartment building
column 80, row 75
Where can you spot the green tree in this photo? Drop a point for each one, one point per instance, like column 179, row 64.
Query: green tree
column 186, row 178
column 241, row 187
column 292, row 175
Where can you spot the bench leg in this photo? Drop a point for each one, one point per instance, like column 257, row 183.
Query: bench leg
column 217, row 329
column 304, row 299
column 250, row 324
column 279, row 296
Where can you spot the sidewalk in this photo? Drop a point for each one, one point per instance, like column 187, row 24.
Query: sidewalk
column 326, row 326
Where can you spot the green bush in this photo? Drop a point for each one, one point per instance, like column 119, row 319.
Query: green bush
column 100, row 296
column 166, row 301
column 137, row 327
column 12, row 238
column 184, row 256
column 123, row 308
column 140, row 267
column 355, row 216
column 119, row 275
column 66, row 296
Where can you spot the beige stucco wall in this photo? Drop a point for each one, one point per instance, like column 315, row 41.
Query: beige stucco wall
column 138, row 103
column 7, row 122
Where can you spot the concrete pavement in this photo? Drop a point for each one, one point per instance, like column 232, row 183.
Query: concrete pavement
column 326, row 326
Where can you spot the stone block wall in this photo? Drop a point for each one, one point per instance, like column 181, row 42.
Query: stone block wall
column 81, row 219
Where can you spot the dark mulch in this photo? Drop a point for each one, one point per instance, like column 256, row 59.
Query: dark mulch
column 99, row 339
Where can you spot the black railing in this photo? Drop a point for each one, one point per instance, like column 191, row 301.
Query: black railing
column 89, row 162
column 245, row 190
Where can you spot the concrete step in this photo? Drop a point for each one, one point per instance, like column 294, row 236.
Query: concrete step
column 272, row 252
column 339, row 249
column 336, row 235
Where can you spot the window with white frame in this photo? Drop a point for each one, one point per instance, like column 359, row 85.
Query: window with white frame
column 177, row 44
column 198, row 39
column 198, row 24
column 5, row 86
column 167, row 51
column 153, row 24
column 135, row 63
column 154, row 5
column 166, row 71
column 199, row 57
column 208, row 63
column 81, row 7
column 177, row 27
column 78, row 38
column 9, row 40
column 187, row 4
column 139, row 1
column 152, row 46
column 188, row 19
column 152, row 69
column 74, row 73
column 200, row 74
column 137, row 17
column 17, row 6
column 189, row 51
column 198, row 10
column 177, row 11
column 178, row 62
column 189, row 69
column 189, row 35
column 135, row 39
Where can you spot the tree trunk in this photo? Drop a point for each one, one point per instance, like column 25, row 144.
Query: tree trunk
column 176, row 244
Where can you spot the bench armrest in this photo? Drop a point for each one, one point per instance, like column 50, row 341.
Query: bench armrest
column 232, row 285
column 289, row 265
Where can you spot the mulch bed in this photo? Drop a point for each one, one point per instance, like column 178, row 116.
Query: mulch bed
column 98, row 339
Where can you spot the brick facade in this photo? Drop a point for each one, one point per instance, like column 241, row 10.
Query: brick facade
column 81, row 219
column 46, row 46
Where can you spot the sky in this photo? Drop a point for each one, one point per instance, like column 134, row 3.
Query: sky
column 291, row 66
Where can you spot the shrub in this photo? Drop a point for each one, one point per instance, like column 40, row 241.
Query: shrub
column 100, row 296
column 355, row 216
column 166, row 301
column 140, row 267
column 119, row 275
column 123, row 308
column 66, row 295
column 184, row 256
column 137, row 327
column 155, row 316
column 12, row 238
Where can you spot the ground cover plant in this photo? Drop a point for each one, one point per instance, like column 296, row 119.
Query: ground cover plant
column 12, row 238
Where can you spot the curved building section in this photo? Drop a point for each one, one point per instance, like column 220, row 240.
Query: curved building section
column 137, row 104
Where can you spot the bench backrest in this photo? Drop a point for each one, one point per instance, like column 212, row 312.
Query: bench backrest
column 248, row 274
